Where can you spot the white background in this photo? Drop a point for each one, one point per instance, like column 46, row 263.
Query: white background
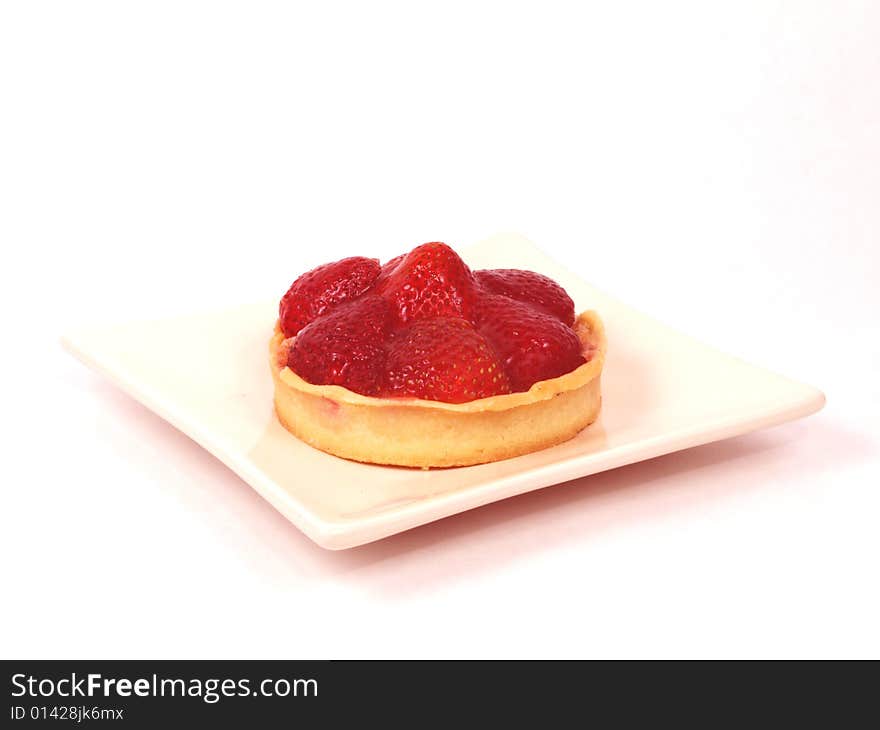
column 716, row 165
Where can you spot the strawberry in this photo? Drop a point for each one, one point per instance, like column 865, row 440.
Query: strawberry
column 345, row 347
column 319, row 290
column 430, row 281
column 389, row 266
column 531, row 288
column 531, row 344
column 443, row 359
column 423, row 325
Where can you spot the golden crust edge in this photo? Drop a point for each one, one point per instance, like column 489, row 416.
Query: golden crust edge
column 391, row 457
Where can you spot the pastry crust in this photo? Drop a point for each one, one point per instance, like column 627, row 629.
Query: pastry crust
column 425, row 433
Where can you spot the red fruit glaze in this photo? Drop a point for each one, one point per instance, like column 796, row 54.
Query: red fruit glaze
column 424, row 326
column 430, row 281
column 319, row 290
column 531, row 344
column 529, row 287
column 444, row 359
column 389, row 267
column 346, row 347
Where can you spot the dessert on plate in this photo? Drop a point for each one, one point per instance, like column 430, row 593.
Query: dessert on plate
column 423, row 362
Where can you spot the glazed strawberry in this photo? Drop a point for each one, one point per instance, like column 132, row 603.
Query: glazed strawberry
column 345, row 347
column 430, row 281
column 321, row 289
column 389, row 267
column 529, row 287
column 531, row 344
column 424, row 326
column 443, row 359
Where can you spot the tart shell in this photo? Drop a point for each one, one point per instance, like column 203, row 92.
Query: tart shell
column 423, row 433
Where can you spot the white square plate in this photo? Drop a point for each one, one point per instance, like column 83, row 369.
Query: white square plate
column 208, row 375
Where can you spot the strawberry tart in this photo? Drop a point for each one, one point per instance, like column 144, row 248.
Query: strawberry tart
column 423, row 362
